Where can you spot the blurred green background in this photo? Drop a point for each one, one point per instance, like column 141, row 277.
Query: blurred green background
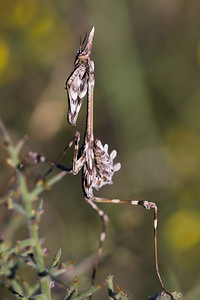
column 146, row 106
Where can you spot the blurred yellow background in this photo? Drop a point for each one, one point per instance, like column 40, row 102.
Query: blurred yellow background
column 146, row 106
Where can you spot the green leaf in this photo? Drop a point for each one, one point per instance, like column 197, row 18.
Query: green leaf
column 109, row 281
column 16, row 293
column 73, row 290
column 32, row 290
column 86, row 293
column 42, row 187
column 122, row 293
column 61, row 268
column 75, row 286
column 56, row 259
column 17, row 207
column 21, row 143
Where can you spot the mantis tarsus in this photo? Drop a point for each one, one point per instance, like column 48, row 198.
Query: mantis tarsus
column 93, row 158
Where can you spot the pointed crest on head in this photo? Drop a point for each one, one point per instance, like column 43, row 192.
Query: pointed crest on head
column 84, row 53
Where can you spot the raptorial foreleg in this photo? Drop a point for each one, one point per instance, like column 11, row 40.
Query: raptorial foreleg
column 76, row 164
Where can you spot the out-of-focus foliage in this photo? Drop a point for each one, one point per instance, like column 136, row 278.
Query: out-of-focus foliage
column 147, row 103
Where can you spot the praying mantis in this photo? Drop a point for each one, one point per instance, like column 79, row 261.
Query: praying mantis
column 92, row 158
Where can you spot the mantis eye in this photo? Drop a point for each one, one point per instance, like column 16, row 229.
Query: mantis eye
column 76, row 57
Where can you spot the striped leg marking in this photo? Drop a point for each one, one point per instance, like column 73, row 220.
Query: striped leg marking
column 147, row 205
column 37, row 158
column 102, row 237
